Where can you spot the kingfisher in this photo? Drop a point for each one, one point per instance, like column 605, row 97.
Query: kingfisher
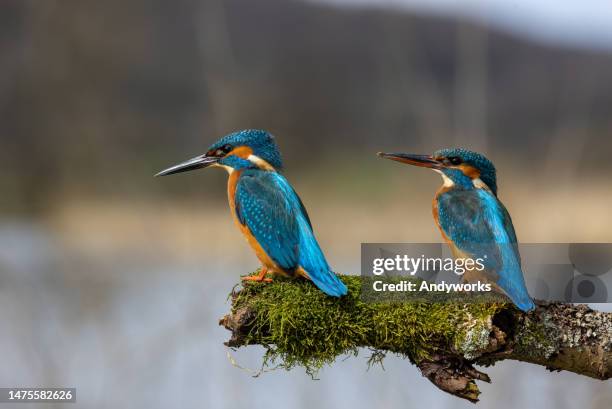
column 266, row 208
column 472, row 220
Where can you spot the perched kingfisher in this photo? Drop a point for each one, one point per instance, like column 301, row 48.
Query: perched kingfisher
column 267, row 209
column 471, row 218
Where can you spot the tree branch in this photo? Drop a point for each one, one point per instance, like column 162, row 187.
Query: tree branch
column 298, row 325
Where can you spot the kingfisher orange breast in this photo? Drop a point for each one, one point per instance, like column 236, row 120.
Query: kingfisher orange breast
column 436, row 214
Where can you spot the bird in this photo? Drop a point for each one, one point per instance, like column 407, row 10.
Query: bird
column 472, row 219
column 266, row 208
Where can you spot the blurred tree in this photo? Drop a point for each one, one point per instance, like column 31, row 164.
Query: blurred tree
column 95, row 96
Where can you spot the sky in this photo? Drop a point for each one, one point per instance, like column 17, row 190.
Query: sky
column 583, row 23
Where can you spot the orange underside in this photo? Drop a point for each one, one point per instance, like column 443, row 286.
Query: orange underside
column 436, row 217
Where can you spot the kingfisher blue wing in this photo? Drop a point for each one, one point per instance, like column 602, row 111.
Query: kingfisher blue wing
column 267, row 204
column 478, row 223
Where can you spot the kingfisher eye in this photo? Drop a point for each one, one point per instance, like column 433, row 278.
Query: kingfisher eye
column 222, row 151
column 454, row 160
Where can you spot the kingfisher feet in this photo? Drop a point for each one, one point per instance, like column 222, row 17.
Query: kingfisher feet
column 258, row 277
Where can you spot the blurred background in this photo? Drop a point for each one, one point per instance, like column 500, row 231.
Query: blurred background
column 112, row 281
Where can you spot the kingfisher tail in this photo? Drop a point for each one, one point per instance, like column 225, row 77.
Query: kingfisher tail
column 516, row 290
column 313, row 262
column 523, row 302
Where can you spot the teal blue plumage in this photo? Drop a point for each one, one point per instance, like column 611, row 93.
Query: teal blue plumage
column 275, row 215
column 473, row 219
column 479, row 225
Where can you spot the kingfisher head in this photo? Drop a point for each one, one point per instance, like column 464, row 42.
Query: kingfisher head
column 247, row 149
column 457, row 166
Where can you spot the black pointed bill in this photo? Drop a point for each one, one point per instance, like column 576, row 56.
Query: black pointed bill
column 424, row 161
column 199, row 162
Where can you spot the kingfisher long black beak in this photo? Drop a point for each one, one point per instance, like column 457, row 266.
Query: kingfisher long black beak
column 424, row 161
column 198, row 162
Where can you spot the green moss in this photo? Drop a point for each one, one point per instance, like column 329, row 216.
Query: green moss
column 299, row 325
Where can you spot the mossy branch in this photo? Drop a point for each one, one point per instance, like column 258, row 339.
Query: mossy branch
column 298, row 325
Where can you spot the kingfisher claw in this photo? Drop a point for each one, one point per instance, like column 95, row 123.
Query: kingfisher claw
column 258, row 277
